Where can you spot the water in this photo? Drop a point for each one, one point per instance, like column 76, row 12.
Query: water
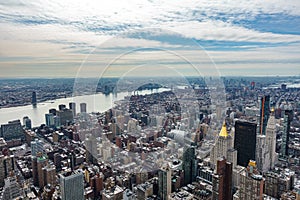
column 95, row 103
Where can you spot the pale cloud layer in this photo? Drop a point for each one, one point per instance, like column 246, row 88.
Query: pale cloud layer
column 55, row 38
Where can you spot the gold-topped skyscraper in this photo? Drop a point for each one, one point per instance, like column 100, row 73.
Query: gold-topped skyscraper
column 224, row 147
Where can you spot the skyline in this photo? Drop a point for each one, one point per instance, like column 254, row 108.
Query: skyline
column 53, row 39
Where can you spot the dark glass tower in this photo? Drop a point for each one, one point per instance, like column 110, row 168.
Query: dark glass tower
column 189, row 165
column 33, row 99
column 245, row 142
column 288, row 116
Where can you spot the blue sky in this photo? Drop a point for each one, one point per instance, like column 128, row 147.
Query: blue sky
column 67, row 38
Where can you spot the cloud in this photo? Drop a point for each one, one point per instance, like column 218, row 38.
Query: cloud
column 64, row 32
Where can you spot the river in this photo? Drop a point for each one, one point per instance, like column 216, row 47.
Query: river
column 95, row 103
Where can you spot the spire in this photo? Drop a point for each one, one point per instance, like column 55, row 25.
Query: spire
column 223, row 132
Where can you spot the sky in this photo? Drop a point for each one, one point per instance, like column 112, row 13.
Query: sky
column 93, row 38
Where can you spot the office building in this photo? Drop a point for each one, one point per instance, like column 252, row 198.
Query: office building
column 264, row 114
column 223, row 148
column 271, row 139
column 49, row 119
column 164, row 182
column 27, row 122
column 90, row 143
column 72, row 186
column 37, row 146
column 262, row 154
column 82, row 107
column 49, row 175
column 189, row 164
column 12, row 130
column 222, row 180
column 65, row 115
column 42, row 162
column 33, row 99
column 288, row 116
column 72, row 106
column 251, row 183
column 245, row 142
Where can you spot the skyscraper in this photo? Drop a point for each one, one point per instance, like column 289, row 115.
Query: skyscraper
column 222, row 180
column 164, row 182
column 37, row 146
column 49, row 175
column 245, row 142
column 42, row 162
column 264, row 114
column 27, row 122
column 33, row 99
column 72, row 186
column 83, row 107
column 288, row 116
column 65, row 115
column 262, row 154
column 223, row 148
column 90, row 143
column 189, row 165
column 49, row 119
column 72, row 106
column 271, row 139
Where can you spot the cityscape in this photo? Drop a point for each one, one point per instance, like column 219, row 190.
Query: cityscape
column 149, row 100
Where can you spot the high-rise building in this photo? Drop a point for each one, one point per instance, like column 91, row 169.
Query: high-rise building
column 262, row 154
column 164, row 182
column 72, row 186
column 42, row 162
column 65, row 116
column 37, row 146
column 49, row 175
column 189, row 165
column 90, row 143
column 12, row 130
column 83, row 107
column 288, row 116
column 33, row 99
column 222, row 180
column 251, row 183
column 35, row 178
column 57, row 121
column 72, row 106
column 264, row 114
column 49, row 119
column 245, row 142
column 27, row 122
column 271, row 139
column 223, row 148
